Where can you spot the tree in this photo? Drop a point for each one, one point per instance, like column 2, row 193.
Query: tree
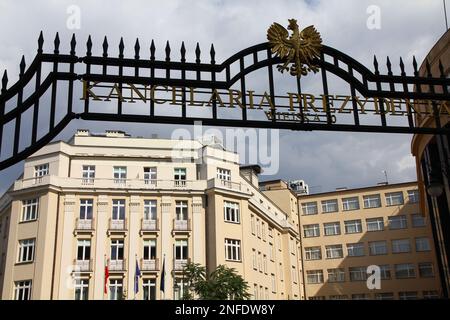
column 223, row 283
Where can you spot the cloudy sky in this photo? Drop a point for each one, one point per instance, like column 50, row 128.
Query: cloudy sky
column 325, row 160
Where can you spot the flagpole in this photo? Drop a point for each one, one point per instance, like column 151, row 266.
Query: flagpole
column 136, row 279
column 104, row 275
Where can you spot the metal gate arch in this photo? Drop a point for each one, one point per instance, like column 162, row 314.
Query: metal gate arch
column 145, row 68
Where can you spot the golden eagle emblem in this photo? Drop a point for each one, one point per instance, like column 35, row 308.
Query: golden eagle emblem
column 301, row 49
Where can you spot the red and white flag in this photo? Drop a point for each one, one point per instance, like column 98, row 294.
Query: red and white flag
column 106, row 276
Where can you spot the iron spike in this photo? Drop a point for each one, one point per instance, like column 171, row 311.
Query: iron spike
column 105, row 47
column 389, row 66
column 152, row 50
column 22, row 66
column 167, row 51
column 73, row 43
column 40, row 42
column 137, row 48
column 121, row 48
column 89, row 46
column 375, row 64
column 197, row 53
column 183, row 52
column 213, row 54
column 4, row 80
column 402, row 66
column 56, row 43
column 415, row 65
column 441, row 69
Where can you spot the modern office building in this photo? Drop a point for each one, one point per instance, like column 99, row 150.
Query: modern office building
column 346, row 231
column 111, row 202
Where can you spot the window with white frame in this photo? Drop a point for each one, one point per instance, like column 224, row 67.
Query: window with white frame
column 334, row 251
column 422, row 244
column 375, row 224
column 223, row 174
column 372, row 201
column 355, row 249
column 83, row 250
column 88, row 174
column 150, row 210
column 360, row 296
column 181, row 250
column 254, row 261
column 330, row 206
column 377, row 248
column 311, row 230
column 413, row 196
column 353, row 226
column 115, row 289
column 351, row 203
column 118, row 209
column 81, row 287
column 431, row 294
column 332, row 228
column 231, row 211
column 86, row 210
column 179, row 175
column 401, row 246
column 309, row 208
column 26, row 250
column 314, row 276
column 338, row 297
column 384, row 296
column 233, row 249
column 313, row 253
column 397, row 222
column 252, row 223
column 418, row 220
column 150, row 175
column 336, row 275
column 407, row 295
column 385, row 271
column 120, row 174
column 149, row 249
column 426, row 270
column 258, row 227
column 405, row 270
column 263, row 230
column 394, row 198
column 41, row 170
column 117, row 249
column 180, row 286
column 149, row 289
column 22, row 290
column 181, row 210
column 358, row 273
column 30, row 209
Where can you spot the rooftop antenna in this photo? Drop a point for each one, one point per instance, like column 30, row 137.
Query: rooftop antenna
column 445, row 15
column 385, row 176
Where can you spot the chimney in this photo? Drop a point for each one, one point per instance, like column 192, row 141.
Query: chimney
column 82, row 133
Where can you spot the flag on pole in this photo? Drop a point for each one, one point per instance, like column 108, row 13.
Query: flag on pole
column 163, row 274
column 137, row 274
column 106, row 276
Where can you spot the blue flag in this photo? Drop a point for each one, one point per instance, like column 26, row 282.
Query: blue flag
column 163, row 273
column 136, row 278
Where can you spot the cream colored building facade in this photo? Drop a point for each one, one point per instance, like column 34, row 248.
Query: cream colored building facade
column 117, row 201
column 346, row 231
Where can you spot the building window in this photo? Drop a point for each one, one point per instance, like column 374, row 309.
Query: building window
column 372, row 201
column 397, row 222
column 360, row 296
column 334, row 251
column 115, row 289
column 281, row 271
column 350, row 203
column 255, row 264
column 385, row 271
column 179, row 176
column 150, row 176
column 353, row 226
column 358, row 273
column 426, row 270
column 271, row 252
column 86, row 209
column 150, row 211
column 120, row 174
column 118, row 209
column 384, row 296
column 26, row 250
column 336, row 275
column 255, row 291
column 355, row 249
column 407, row 295
column 231, row 211
column 263, row 230
column 313, row 253
column 83, row 250
column 233, row 250
column 311, row 230
column 117, row 249
column 330, row 206
column 375, row 224
column 252, row 223
column 81, row 289
column 332, row 229
column 394, row 198
column 41, row 170
column 432, row 294
column 413, row 196
column 418, row 220
column 274, row 283
column 338, row 297
column 88, row 174
column 423, row 244
column 150, row 249
column 22, row 290
column 265, row 263
column 401, row 246
column 223, row 174
column 179, row 289
column 149, row 288
column 314, row 276
column 181, row 250
column 260, row 264
column 377, row 248
column 270, row 232
column 309, row 208
column 294, row 274
column 258, row 228
column 30, row 209
column 405, row 270
column 181, row 210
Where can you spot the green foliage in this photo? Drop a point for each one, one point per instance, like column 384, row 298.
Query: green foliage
column 223, row 283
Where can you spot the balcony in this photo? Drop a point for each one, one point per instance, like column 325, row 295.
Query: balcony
column 224, row 184
column 151, row 265
column 179, row 264
column 84, row 226
column 117, row 265
column 117, row 226
column 180, row 226
column 149, row 226
column 82, row 266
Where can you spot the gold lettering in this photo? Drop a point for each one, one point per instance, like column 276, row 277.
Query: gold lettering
column 152, row 94
column 87, row 90
column 191, row 98
column 344, row 103
column 309, row 103
column 361, row 104
column 141, row 96
column 215, row 96
column 269, row 101
column 236, row 99
column 291, row 100
column 115, row 92
column 177, row 93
